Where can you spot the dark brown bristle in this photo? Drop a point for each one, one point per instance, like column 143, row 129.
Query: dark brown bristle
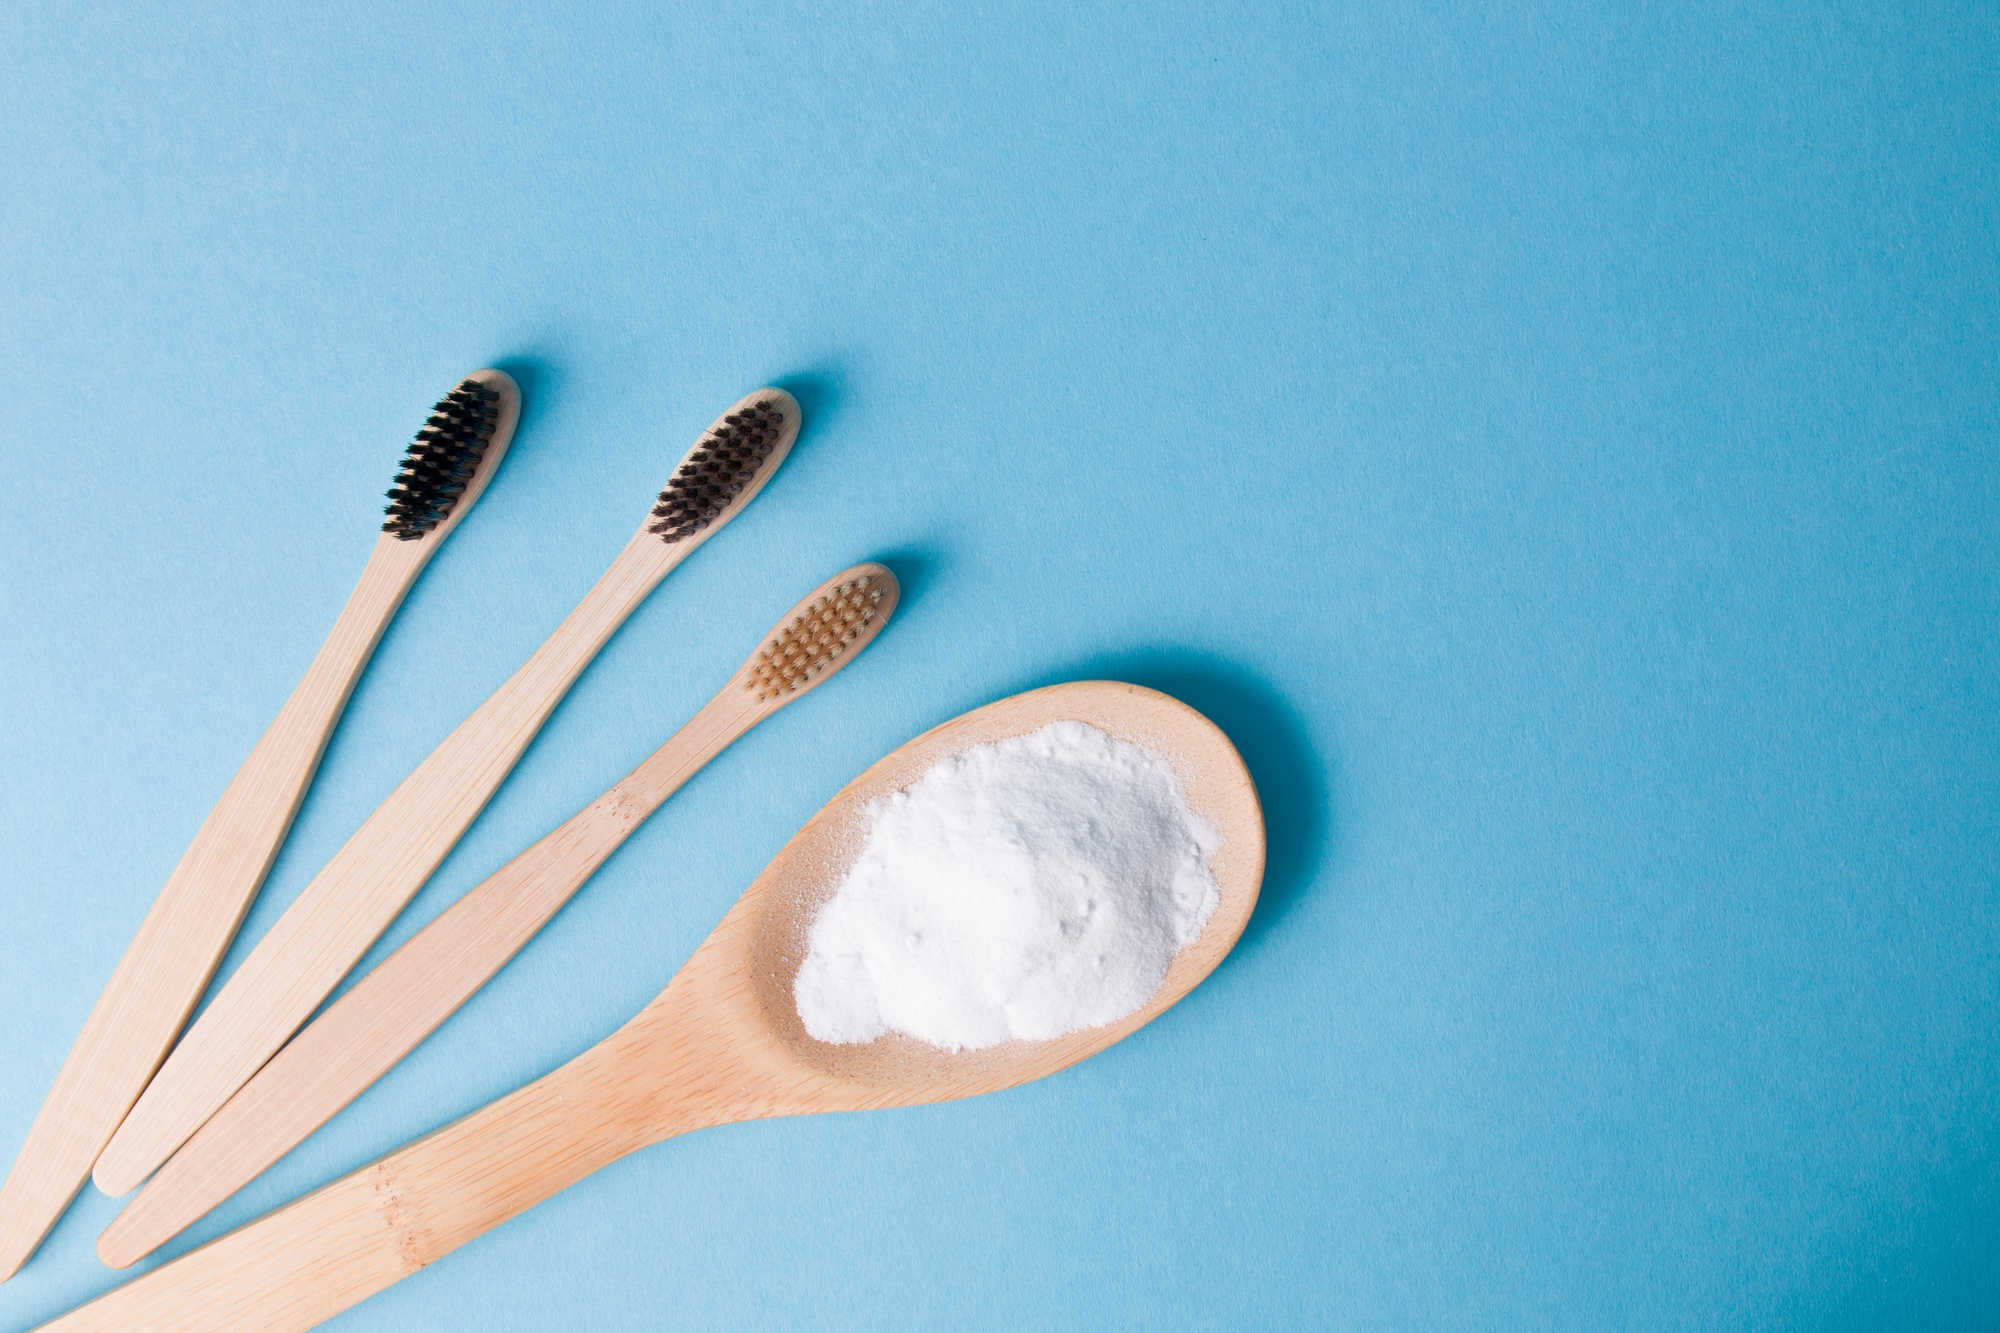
column 718, row 469
column 815, row 639
column 441, row 460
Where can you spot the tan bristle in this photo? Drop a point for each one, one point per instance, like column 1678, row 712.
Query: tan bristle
column 815, row 638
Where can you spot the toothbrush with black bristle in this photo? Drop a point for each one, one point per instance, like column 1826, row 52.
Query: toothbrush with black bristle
column 359, row 892
column 182, row 939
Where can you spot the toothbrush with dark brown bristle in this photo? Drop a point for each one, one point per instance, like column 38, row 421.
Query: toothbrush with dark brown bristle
column 170, row 960
column 382, row 1017
column 359, row 892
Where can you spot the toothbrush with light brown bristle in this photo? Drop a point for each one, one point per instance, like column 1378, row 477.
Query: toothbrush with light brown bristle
column 178, row 945
column 387, row 1013
column 359, row 892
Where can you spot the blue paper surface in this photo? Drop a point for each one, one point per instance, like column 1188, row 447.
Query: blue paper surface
column 1560, row 444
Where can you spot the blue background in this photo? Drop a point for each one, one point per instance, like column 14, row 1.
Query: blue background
column 1557, row 442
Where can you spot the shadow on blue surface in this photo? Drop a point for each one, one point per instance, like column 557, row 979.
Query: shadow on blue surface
column 1294, row 783
column 915, row 565
column 820, row 390
column 538, row 377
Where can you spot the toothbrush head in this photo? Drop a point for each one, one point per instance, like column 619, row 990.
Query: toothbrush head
column 440, row 464
column 730, row 463
column 823, row 633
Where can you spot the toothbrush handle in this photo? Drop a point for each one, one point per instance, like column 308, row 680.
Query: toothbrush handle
column 311, row 1259
column 359, row 892
column 387, row 1013
column 183, row 937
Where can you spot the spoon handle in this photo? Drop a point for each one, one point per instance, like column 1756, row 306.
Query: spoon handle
column 178, row 945
column 387, row 1013
column 308, row 1261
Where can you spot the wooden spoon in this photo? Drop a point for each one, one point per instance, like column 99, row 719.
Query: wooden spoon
column 723, row 1043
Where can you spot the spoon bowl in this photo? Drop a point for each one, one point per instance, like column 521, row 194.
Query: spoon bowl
column 723, row 1043
column 764, row 938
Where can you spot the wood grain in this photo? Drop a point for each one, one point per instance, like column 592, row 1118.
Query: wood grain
column 722, row 1043
column 183, row 937
column 359, row 892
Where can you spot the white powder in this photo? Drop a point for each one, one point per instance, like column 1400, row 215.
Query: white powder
column 1026, row 888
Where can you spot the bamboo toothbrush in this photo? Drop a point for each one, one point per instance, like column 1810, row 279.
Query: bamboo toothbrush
column 723, row 1043
column 178, row 945
column 355, row 896
column 383, row 1017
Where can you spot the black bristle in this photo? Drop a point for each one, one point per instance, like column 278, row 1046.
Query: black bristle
column 441, row 460
column 717, row 470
